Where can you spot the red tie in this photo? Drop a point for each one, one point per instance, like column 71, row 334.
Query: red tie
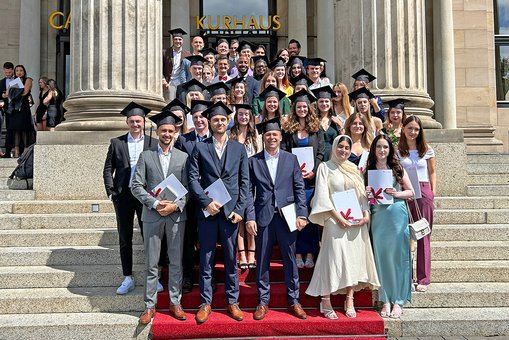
column 223, row 78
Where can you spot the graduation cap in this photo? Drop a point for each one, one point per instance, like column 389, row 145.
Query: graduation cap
column 398, row 103
column 165, row 117
column 199, row 105
column 361, row 93
column 316, row 61
column 216, row 109
column 301, row 79
column 246, row 45
column 259, row 58
column 176, row 105
column 364, row 76
column 207, row 50
column 234, row 81
column 270, row 125
column 296, row 59
column 277, row 63
column 302, row 96
column 243, row 106
column 196, row 60
column 193, row 85
column 177, row 32
column 272, row 91
column 217, row 88
column 133, row 109
column 324, row 92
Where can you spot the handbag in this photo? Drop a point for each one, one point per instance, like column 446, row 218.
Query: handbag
column 419, row 228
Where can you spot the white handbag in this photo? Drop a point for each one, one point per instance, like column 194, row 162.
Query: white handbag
column 419, row 228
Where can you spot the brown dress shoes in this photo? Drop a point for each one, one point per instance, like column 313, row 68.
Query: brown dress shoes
column 261, row 311
column 296, row 309
column 235, row 312
column 177, row 312
column 147, row 316
column 203, row 313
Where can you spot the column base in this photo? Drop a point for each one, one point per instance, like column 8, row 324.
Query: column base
column 481, row 139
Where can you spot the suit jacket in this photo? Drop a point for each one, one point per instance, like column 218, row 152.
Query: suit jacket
column 168, row 63
column 253, row 88
column 149, row 174
column 186, row 142
column 117, row 168
column 3, row 88
column 287, row 189
column 233, row 169
column 315, row 139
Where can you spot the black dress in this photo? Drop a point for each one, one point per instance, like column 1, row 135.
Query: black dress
column 41, row 108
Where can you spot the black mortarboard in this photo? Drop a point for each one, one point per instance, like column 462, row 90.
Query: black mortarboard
column 175, row 105
column 278, row 62
column 133, row 109
column 196, row 60
column 324, row 92
column 246, row 45
column 258, row 58
column 234, row 81
column 208, row 50
column 361, row 93
column 364, row 76
column 193, row 85
column 296, row 59
column 316, row 61
column 217, row 88
column 216, row 109
column 398, row 103
column 272, row 91
column 177, row 32
column 199, row 105
column 302, row 96
column 269, row 125
column 165, row 117
column 243, row 106
column 301, row 79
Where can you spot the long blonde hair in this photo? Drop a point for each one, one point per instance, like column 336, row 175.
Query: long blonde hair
column 292, row 125
column 367, row 134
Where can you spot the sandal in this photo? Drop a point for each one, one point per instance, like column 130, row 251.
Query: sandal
column 396, row 311
column 327, row 313
column 421, row 288
column 242, row 265
column 309, row 262
column 300, row 263
column 350, row 312
column 386, row 310
column 251, row 265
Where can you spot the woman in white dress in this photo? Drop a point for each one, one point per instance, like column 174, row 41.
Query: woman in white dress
column 345, row 263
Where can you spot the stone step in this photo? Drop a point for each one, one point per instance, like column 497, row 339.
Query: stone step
column 57, row 221
column 63, row 237
column 488, row 190
column 490, row 179
column 6, row 171
column 470, row 250
column 16, row 195
column 487, row 168
column 66, row 276
column 72, row 326
column 470, row 271
column 62, row 207
column 8, row 163
column 463, row 294
column 69, row 300
column 468, row 216
column 488, row 158
column 481, row 202
column 470, row 232
column 65, row 256
column 450, row 322
column 3, row 184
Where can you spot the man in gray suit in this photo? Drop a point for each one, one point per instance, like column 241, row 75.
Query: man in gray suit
column 161, row 213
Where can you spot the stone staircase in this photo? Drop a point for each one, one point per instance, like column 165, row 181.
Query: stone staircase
column 59, row 266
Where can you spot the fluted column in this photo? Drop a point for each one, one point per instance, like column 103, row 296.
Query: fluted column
column 325, row 36
column 387, row 37
column 297, row 24
column 116, row 48
column 180, row 17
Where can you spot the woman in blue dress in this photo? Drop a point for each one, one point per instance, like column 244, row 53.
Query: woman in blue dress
column 390, row 233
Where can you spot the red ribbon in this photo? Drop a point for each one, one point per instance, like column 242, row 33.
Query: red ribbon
column 302, row 167
column 377, row 195
column 347, row 215
column 156, row 194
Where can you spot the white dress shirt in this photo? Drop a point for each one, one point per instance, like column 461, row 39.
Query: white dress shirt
column 272, row 165
column 135, row 147
column 219, row 149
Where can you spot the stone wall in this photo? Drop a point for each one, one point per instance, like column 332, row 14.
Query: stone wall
column 9, row 31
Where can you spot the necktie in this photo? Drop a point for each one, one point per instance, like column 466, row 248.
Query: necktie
column 223, row 78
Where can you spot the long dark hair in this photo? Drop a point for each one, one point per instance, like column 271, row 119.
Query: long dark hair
column 251, row 131
column 392, row 160
column 420, row 141
column 24, row 78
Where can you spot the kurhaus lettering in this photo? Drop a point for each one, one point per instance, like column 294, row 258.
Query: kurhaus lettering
column 53, row 20
column 227, row 22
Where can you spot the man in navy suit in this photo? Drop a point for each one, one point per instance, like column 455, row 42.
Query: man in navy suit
column 4, row 102
column 276, row 178
column 221, row 158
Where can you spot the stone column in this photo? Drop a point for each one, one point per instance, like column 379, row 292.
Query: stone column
column 326, row 36
column 387, row 38
column 116, row 51
column 29, row 40
column 445, row 75
column 180, row 17
column 297, row 24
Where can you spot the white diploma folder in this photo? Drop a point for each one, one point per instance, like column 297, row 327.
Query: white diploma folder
column 290, row 215
column 414, row 179
column 379, row 180
column 16, row 83
column 173, row 184
column 189, row 121
column 347, row 204
column 305, row 157
column 363, row 161
column 217, row 191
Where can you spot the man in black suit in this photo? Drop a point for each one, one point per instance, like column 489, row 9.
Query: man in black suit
column 217, row 158
column 119, row 167
column 253, row 85
column 4, row 102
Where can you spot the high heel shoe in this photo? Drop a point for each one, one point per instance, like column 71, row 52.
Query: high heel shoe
column 242, row 265
column 327, row 313
column 386, row 310
column 396, row 311
column 350, row 312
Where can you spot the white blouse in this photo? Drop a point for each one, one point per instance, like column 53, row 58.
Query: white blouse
column 421, row 164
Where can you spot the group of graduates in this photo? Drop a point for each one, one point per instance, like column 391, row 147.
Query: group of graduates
column 244, row 135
